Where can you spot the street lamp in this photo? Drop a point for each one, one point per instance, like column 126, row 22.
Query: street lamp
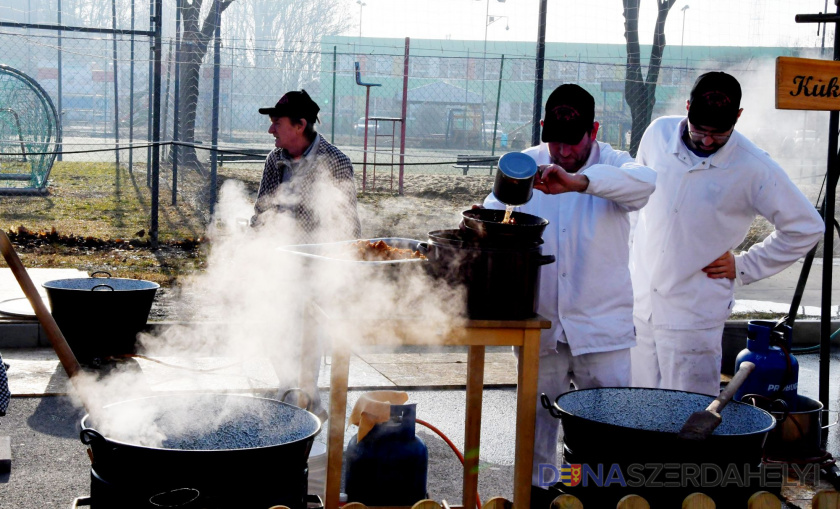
column 682, row 38
column 361, row 4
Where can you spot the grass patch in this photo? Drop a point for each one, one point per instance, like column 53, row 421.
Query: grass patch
column 112, row 208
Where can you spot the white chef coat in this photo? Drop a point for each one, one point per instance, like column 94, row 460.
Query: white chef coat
column 586, row 293
column 701, row 210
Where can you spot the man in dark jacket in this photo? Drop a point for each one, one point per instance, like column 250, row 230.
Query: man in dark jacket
column 305, row 176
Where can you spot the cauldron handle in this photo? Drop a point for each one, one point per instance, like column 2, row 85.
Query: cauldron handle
column 80, row 502
column 179, row 497
column 90, row 435
column 752, row 399
column 546, row 403
column 546, row 259
column 314, row 502
column 101, row 272
column 308, row 398
column 103, row 285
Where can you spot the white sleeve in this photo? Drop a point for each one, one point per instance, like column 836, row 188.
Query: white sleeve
column 621, row 180
column 492, row 203
column 798, row 228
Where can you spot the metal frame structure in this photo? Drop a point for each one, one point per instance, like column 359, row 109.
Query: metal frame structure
column 51, row 137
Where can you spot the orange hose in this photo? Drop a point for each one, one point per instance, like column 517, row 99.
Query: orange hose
column 457, row 452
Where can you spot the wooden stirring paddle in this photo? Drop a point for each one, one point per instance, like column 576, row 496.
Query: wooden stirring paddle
column 701, row 424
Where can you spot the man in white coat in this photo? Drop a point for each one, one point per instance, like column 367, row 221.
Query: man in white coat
column 711, row 184
column 586, row 190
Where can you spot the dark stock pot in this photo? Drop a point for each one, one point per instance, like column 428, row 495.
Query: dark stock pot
column 640, row 426
column 502, row 280
column 100, row 316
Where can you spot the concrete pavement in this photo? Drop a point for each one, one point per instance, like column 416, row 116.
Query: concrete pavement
column 50, row 467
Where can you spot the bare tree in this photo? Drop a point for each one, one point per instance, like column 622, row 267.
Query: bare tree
column 194, row 44
column 284, row 36
column 640, row 91
column 280, row 50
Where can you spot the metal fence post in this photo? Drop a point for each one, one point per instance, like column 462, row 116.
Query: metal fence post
column 158, row 42
column 335, row 67
column 217, row 60
column 131, row 98
column 404, row 113
column 176, row 104
column 153, row 42
column 538, row 81
column 496, row 120
column 60, row 107
column 116, row 89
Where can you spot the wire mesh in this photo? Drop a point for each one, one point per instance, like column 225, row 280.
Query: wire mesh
column 28, row 132
column 463, row 98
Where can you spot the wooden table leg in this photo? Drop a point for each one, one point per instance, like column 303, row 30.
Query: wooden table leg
column 526, row 414
column 310, row 357
column 472, row 431
column 339, row 374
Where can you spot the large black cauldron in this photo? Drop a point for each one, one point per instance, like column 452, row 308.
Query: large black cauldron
column 637, row 430
column 200, row 451
column 100, row 316
column 502, row 278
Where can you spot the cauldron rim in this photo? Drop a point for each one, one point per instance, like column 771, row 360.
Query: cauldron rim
column 770, row 418
column 56, row 284
column 311, row 436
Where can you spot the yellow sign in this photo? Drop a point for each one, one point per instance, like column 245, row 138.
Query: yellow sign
column 807, row 84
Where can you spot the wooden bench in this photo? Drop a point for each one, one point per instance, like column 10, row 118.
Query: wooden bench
column 466, row 161
column 243, row 155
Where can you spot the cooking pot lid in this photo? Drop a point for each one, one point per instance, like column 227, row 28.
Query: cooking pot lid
column 660, row 410
column 20, row 307
column 517, row 165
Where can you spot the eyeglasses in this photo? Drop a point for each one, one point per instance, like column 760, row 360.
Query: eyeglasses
column 700, row 135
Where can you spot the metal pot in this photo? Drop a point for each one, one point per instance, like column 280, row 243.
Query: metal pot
column 514, row 184
column 639, row 426
column 254, row 456
column 797, row 433
column 487, row 225
column 502, row 281
column 100, row 317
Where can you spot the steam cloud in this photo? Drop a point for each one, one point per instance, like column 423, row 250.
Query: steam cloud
column 250, row 304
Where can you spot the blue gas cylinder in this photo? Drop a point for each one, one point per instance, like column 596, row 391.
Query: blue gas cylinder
column 776, row 373
column 389, row 465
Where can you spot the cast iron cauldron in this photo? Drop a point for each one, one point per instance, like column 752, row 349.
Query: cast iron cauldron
column 638, row 426
column 254, row 456
column 100, row 317
column 502, row 281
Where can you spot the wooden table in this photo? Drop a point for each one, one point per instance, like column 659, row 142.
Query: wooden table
column 475, row 334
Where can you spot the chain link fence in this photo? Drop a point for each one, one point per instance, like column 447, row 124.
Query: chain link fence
column 465, row 102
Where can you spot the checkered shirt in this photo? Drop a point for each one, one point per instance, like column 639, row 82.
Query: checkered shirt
column 288, row 188
column 5, row 395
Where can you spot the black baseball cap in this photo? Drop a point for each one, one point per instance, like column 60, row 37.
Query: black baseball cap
column 715, row 100
column 569, row 114
column 295, row 104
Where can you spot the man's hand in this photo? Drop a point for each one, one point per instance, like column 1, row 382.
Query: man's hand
column 553, row 179
column 723, row 267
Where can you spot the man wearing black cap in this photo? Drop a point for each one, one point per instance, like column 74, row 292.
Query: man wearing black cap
column 711, row 184
column 305, row 176
column 308, row 180
column 586, row 190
